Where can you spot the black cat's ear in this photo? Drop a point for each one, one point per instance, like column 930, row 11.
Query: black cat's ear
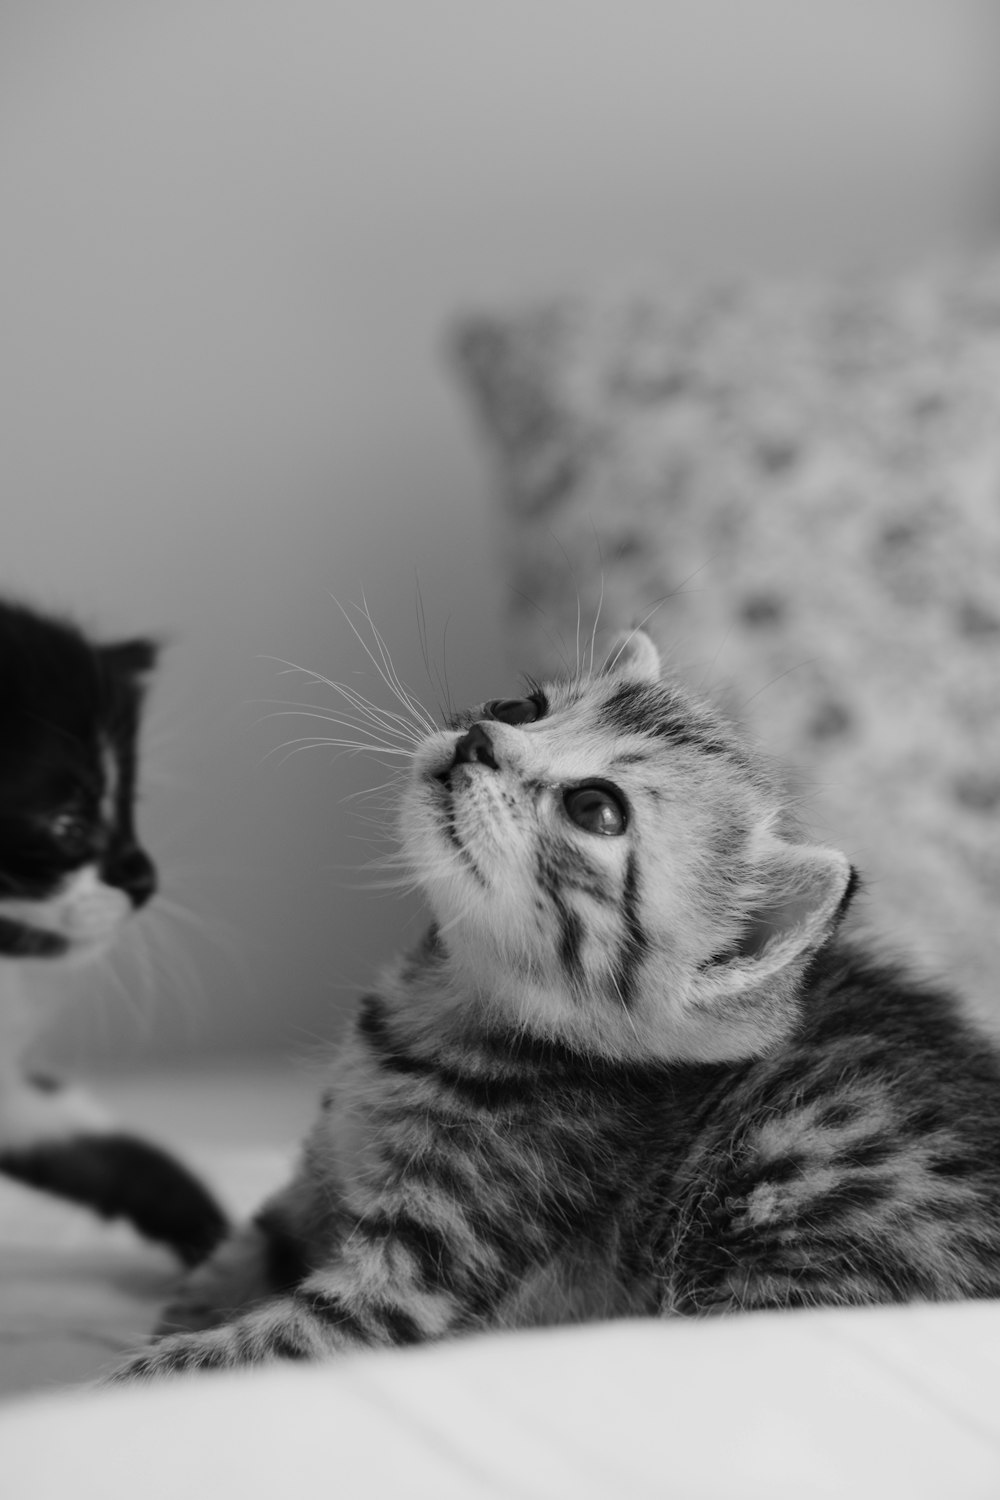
column 134, row 660
column 633, row 655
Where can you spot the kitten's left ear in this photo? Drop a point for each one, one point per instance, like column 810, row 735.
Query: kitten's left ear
column 135, row 659
column 633, row 655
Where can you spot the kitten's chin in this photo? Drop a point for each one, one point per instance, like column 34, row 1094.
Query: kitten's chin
column 79, row 923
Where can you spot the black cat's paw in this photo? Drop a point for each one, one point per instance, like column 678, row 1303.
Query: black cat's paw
column 122, row 1177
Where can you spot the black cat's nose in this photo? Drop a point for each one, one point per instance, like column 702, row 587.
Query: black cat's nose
column 475, row 747
column 133, row 872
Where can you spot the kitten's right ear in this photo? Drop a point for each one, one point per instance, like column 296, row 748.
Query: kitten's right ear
column 135, row 659
column 746, row 999
column 633, row 655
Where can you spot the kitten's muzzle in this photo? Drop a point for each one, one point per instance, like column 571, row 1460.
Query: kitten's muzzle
column 473, row 748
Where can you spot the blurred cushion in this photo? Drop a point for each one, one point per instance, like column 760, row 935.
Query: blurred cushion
column 802, row 479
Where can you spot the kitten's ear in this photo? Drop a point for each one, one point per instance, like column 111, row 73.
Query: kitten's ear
column 135, row 659
column 633, row 655
column 802, row 892
column 745, row 1001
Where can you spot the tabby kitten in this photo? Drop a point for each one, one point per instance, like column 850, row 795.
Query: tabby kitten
column 71, row 870
column 632, row 1069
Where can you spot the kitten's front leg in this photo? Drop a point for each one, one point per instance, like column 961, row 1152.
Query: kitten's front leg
column 393, row 1282
column 258, row 1261
column 254, row 1338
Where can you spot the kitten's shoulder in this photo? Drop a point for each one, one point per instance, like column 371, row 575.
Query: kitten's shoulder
column 855, row 989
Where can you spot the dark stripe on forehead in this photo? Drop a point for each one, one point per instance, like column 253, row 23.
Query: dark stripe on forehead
column 636, row 708
column 635, row 943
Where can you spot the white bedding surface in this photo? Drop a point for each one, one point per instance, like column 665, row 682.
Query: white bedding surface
column 898, row 1402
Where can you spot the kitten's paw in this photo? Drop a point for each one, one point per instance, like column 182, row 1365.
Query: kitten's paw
column 187, row 1314
column 176, row 1355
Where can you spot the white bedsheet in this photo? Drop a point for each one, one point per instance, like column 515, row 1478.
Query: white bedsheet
column 898, row 1402
column 892, row 1403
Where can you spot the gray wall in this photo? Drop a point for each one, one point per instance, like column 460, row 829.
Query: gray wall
column 233, row 232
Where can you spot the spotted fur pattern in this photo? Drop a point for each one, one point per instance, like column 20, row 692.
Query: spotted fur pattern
column 633, row 1068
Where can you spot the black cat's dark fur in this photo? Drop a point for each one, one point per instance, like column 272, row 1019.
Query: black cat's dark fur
column 71, row 869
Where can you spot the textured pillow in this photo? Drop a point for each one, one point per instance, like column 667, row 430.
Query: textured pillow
column 807, row 475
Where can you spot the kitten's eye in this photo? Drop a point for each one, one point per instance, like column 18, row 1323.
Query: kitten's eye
column 516, row 710
column 72, row 833
column 596, row 808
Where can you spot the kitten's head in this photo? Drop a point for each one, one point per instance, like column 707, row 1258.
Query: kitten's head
column 610, row 864
column 71, row 867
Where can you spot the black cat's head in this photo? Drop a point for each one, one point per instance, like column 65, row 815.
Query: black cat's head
column 71, row 867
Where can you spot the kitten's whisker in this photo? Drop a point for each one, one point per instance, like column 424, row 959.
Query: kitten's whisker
column 379, row 715
column 405, row 694
column 348, row 721
column 441, row 685
column 355, row 747
column 357, row 725
column 558, row 644
column 593, row 633
column 576, row 585
column 384, row 666
column 611, row 661
column 600, row 602
column 796, row 667
column 625, row 1010
column 382, row 718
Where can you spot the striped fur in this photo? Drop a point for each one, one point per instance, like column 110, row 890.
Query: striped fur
column 624, row 1074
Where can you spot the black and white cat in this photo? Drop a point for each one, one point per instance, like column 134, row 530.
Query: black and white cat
column 71, row 871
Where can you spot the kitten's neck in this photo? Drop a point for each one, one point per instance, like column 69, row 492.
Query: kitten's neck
column 442, row 997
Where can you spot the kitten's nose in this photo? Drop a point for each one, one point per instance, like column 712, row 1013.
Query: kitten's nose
column 133, row 872
column 474, row 746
